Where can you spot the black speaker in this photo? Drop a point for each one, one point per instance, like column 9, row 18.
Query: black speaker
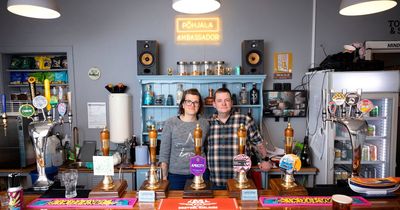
column 148, row 61
column 253, row 56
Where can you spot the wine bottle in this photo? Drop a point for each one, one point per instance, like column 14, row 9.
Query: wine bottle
column 305, row 154
column 254, row 95
column 243, row 95
column 132, row 151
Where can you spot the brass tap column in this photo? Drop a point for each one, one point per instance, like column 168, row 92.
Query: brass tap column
column 154, row 181
column 242, row 181
column 198, row 181
column 107, row 182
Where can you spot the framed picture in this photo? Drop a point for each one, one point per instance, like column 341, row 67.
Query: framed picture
column 291, row 103
column 283, row 65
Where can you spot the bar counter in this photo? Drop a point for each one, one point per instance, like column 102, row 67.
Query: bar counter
column 381, row 203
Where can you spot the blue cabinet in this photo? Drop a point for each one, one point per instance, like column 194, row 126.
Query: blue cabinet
column 167, row 85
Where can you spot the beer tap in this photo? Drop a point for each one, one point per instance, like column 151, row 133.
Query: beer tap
column 32, row 90
column 69, row 97
column 4, row 114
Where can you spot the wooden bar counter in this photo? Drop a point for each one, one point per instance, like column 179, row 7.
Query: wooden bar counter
column 382, row 203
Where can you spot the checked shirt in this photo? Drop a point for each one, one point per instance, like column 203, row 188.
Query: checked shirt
column 222, row 145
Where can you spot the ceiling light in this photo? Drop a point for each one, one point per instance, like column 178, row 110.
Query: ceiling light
column 195, row 6
column 42, row 9
column 365, row 7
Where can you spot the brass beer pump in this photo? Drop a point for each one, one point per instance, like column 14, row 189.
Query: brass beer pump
column 198, row 181
column 154, row 181
column 242, row 181
column 107, row 182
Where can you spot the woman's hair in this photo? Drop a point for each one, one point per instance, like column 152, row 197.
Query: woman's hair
column 195, row 92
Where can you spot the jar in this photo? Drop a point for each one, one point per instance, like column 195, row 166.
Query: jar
column 195, row 68
column 344, row 154
column 220, row 68
column 182, row 68
column 208, row 67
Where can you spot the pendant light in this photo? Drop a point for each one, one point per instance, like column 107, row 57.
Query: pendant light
column 195, row 6
column 365, row 7
column 42, row 9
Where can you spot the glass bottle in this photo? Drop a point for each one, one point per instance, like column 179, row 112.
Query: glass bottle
column 254, row 95
column 249, row 113
column 289, row 132
column 149, row 123
column 210, row 98
column 305, row 154
column 132, row 151
column 243, row 94
column 179, row 94
column 148, row 96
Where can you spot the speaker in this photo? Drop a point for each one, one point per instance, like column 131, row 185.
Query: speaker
column 148, row 61
column 253, row 56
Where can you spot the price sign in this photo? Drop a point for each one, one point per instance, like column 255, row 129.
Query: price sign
column 241, row 163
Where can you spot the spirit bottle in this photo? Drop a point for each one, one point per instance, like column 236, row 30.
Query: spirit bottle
column 254, row 95
column 149, row 123
column 179, row 94
column 210, row 98
column 289, row 139
column 148, row 95
column 243, row 95
column 305, row 154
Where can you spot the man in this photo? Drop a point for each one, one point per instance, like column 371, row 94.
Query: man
column 222, row 139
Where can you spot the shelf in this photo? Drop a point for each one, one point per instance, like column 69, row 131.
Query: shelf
column 341, row 138
column 37, row 85
column 362, row 162
column 201, row 79
column 35, row 70
column 159, row 106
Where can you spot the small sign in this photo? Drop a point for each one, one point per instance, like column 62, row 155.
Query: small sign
column 26, row 110
column 197, row 165
column 352, row 99
column 94, row 73
column 103, row 166
column 147, row 196
column 241, row 162
column 40, row 102
column 62, row 109
column 332, row 107
column 339, row 98
column 96, row 114
column 198, row 30
column 283, row 65
column 249, row 195
column 365, row 106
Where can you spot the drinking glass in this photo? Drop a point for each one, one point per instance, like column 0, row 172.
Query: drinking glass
column 70, row 179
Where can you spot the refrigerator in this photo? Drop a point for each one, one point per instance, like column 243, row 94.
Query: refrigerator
column 330, row 142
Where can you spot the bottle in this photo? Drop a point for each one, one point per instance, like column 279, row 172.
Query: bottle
column 105, row 141
column 179, row 94
column 132, row 151
column 150, row 122
column 210, row 98
column 243, row 95
column 289, row 138
column 242, row 135
column 254, row 95
column 305, row 154
column 148, row 96
column 198, row 136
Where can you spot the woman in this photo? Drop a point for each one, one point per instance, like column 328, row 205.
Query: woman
column 177, row 140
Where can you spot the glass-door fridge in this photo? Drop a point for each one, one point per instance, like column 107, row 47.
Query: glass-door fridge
column 330, row 142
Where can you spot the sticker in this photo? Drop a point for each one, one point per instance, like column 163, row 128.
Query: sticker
column 62, row 109
column 332, row 107
column 241, row 162
column 290, row 163
column 94, row 73
column 352, row 99
column 339, row 98
column 365, row 106
column 26, row 110
column 40, row 102
column 197, row 165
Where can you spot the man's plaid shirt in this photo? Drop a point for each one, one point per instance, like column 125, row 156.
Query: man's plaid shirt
column 222, row 145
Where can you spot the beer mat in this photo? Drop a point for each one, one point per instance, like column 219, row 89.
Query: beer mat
column 280, row 201
column 64, row 203
column 201, row 204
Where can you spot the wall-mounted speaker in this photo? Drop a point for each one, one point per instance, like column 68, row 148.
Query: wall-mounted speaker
column 253, row 56
column 148, row 60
